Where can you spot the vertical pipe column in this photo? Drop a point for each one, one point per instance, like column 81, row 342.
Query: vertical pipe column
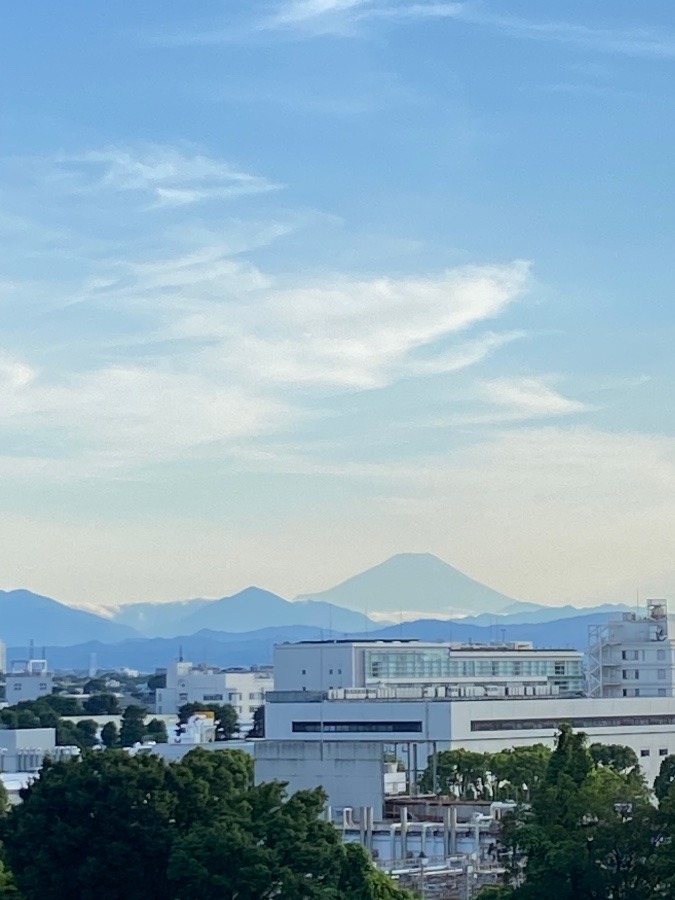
column 447, row 813
column 404, row 832
column 415, row 769
column 369, row 828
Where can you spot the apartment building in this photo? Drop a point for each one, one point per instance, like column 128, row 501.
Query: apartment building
column 633, row 654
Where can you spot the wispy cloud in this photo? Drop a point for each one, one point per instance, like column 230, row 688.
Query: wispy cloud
column 529, row 398
column 203, row 350
column 302, row 10
column 643, row 41
column 322, row 17
column 171, row 177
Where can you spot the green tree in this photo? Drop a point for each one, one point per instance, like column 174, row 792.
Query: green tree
column 101, row 705
column 225, row 717
column 133, row 726
column 665, row 778
column 618, row 756
column 4, row 801
column 156, row 681
column 155, row 730
column 80, row 814
column 110, row 735
column 201, row 827
column 8, row 888
column 68, row 735
column 520, row 771
column 589, row 832
column 360, row 880
column 456, row 772
column 62, row 706
column 87, row 731
column 9, row 717
column 258, row 729
column 25, row 718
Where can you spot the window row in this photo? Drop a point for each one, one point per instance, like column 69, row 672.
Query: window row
column 357, row 727
column 576, row 722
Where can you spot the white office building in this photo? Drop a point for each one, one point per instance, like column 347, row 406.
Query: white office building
column 633, row 655
column 243, row 689
column 496, row 669
column 302, row 736
column 341, row 709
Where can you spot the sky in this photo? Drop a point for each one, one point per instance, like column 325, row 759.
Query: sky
column 287, row 287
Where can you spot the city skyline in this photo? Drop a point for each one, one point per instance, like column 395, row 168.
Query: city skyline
column 290, row 288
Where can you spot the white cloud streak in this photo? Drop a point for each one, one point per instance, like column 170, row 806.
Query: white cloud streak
column 222, row 352
column 322, row 17
column 171, row 177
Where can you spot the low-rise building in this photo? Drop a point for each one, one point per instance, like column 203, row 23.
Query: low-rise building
column 29, row 680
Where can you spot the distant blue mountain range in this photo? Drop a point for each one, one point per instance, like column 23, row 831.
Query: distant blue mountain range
column 25, row 616
column 240, row 612
column 256, row 647
column 227, row 631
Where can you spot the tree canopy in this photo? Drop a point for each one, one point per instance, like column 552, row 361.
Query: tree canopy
column 101, row 705
column 199, row 828
column 509, row 773
column 133, row 729
column 225, row 717
column 589, row 832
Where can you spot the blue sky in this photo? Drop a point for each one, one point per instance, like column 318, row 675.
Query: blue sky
column 287, row 287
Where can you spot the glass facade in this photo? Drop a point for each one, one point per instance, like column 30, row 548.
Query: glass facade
column 440, row 664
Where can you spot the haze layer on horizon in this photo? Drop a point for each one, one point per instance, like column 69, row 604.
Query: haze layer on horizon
column 290, row 287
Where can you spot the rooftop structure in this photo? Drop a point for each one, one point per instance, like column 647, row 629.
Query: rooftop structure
column 633, row 655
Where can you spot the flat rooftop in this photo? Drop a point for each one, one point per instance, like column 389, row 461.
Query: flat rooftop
column 513, row 647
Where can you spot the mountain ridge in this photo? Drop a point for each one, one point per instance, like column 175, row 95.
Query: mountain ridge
column 256, row 647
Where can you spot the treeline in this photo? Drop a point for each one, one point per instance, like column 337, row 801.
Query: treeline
column 592, row 829
column 511, row 774
column 48, row 712
column 114, row 827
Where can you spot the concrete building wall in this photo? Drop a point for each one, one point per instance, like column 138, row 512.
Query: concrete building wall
column 314, row 667
column 27, row 686
column 645, row 724
column 23, row 749
column 351, row 773
column 388, row 721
